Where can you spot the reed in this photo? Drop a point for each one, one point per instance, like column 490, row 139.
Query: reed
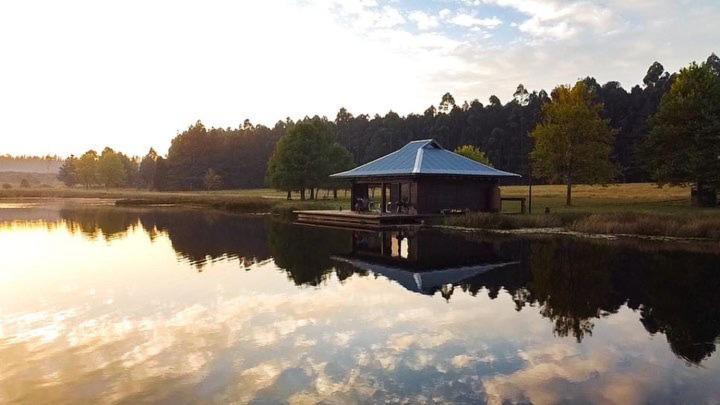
column 632, row 223
column 503, row 221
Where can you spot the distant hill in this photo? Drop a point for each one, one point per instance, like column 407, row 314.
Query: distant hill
column 30, row 164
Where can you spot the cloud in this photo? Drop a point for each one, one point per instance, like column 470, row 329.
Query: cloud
column 538, row 28
column 560, row 20
column 560, row 373
column 423, row 20
column 466, row 20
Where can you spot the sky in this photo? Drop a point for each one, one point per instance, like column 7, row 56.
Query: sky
column 131, row 74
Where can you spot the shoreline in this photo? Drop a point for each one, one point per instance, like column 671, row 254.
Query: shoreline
column 622, row 220
column 560, row 231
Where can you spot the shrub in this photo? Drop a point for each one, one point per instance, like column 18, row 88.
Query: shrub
column 24, row 183
column 6, row 186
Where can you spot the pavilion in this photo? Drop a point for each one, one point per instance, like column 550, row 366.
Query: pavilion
column 422, row 178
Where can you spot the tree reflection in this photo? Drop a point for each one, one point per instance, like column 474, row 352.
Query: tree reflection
column 109, row 223
column 196, row 236
column 573, row 283
column 305, row 252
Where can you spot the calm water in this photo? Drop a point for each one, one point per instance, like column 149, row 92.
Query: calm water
column 101, row 304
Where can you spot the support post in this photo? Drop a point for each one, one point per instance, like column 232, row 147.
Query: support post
column 352, row 196
column 530, row 184
column 383, row 209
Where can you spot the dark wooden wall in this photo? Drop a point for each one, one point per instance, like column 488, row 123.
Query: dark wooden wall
column 441, row 193
column 432, row 194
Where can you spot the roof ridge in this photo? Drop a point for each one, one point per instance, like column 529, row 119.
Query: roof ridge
column 418, row 160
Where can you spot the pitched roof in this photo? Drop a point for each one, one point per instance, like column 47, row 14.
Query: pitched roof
column 423, row 157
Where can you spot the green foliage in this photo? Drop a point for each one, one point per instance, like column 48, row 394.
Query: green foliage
column 111, row 171
column 472, row 152
column 573, row 142
column 131, row 169
column 684, row 143
column 87, row 167
column 161, row 174
column 68, row 172
column 306, row 156
column 340, row 160
column 240, row 155
column 212, row 180
column 147, row 168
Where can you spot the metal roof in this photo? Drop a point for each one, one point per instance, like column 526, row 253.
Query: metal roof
column 423, row 157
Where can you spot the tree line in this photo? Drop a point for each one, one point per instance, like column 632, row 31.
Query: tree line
column 30, row 164
column 248, row 156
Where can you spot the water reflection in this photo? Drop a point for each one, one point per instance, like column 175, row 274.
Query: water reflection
column 574, row 283
column 516, row 316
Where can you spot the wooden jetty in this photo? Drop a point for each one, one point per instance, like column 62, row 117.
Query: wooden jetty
column 354, row 219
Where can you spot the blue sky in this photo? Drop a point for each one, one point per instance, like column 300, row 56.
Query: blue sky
column 82, row 74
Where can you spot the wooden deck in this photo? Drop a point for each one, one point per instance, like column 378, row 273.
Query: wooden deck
column 352, row 219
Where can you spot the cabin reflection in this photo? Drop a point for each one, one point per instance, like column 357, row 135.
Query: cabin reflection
column 422, row 260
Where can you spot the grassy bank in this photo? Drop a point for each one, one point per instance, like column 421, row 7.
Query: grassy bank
column 246, row 201
column 629, row 223
column 621, row 223
column 481, row 220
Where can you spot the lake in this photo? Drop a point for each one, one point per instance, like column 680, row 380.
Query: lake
column 100, row 304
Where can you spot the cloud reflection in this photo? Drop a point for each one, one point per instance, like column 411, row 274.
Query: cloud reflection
column 129, row 322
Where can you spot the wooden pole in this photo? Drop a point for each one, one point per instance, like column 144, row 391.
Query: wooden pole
column 530, row 184
column 352, row 196
column 384, row 199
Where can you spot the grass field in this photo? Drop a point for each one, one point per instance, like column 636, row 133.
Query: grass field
column 638, row 197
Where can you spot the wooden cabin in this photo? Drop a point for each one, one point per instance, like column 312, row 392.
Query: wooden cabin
column 422, row 178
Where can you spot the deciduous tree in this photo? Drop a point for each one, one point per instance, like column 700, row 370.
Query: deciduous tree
column 573, row 143
column 67, row 173
column 683, row 146
column 147, row 168
column 87, row 168
column 305, row 157
column 111, row 171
